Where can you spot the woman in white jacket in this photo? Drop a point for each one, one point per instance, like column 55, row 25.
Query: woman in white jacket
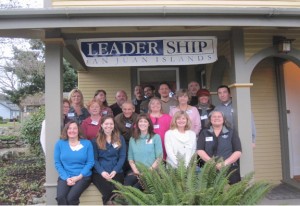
column 180, row 140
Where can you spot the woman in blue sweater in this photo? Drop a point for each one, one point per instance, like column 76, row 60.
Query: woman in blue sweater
column 74, row 159
column 110, row 155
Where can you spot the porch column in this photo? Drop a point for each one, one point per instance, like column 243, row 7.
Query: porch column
column 242, row 111
column 53, row 102
column 241, row 98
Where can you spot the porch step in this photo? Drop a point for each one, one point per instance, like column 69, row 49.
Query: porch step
column 91, row 196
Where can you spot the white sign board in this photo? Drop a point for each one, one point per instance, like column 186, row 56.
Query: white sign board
column 116, row 52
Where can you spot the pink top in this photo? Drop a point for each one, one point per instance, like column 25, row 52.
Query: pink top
column 194, row 116
column 90, row 128
column 161, row 126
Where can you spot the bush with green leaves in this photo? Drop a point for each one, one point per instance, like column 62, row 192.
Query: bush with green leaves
column 8, row 138
column 31, row 129
column 185, row 186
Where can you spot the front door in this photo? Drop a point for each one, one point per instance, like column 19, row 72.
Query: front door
column 292, row 85
column 154, row 76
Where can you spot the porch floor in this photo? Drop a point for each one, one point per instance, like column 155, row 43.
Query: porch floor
column 282, row 194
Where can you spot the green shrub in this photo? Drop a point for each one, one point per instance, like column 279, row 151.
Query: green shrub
column 2, row 120
column 185, row 186
column 31, row 129
column 6, row 138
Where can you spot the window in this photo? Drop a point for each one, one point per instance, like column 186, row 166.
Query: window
column 154, row 76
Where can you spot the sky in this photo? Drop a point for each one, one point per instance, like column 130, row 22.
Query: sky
column 26, row 3
column 6, row 43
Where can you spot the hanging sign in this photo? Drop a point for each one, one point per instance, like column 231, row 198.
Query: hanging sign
column 116, row 52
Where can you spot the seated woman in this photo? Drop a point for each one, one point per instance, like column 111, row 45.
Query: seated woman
column 220, row 141
column 144, row 147
column 91, row 125
column 74, row 159
column 180, row 140
column 110, row 154
column 105, row 110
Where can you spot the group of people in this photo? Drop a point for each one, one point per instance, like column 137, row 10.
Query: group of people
column 101, row 142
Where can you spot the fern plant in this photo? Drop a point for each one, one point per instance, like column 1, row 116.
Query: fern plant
column 184, row 186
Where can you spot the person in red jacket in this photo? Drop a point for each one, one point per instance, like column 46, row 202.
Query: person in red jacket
column 91, row 125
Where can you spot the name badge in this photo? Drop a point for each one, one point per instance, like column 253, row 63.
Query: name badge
column 156, row 126
column 94, row 123
column 203, row 117
column 128, row 125
column 71, row 114
column 209, row 139
column 149, row 141
column 224, row 136
column 104, row 112
column 189, row 111
column 115, row 145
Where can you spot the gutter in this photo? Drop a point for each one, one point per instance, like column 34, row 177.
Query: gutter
column 147, row 11
column 147, row 16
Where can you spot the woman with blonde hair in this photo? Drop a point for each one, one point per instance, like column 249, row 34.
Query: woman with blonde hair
column 110, row 155
column 77, row 111
column 183, row 97
column 180, row 140
column 161, row 122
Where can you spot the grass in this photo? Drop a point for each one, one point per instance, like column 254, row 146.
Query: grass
column 10, row 124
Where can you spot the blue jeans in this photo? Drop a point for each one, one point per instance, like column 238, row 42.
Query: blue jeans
column 69, row 195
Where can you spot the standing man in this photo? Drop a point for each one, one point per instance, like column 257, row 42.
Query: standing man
column 168, row 102
column 125, row 122
column 138, row 93
column 225, row 106
column 121, row 97
column 193, row 88
column 149, row 91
